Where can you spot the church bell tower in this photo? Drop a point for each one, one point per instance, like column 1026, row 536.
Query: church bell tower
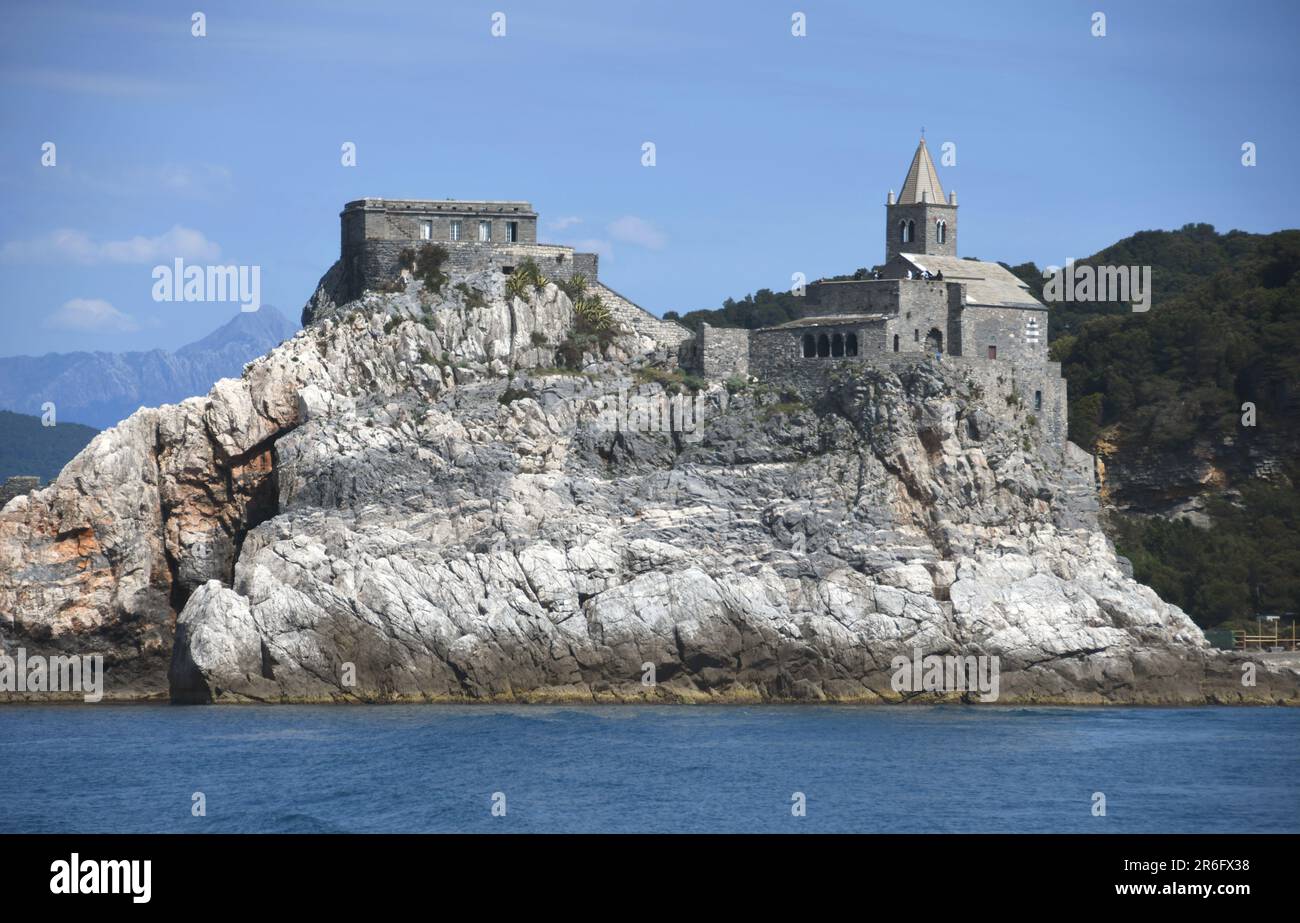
column 921, row 221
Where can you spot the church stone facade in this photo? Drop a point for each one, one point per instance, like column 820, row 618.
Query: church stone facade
column 970, row 314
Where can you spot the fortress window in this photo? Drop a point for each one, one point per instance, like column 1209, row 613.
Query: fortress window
column 837, row 345
column 993, row 352
column 426, row 230
column 823, row 346
column 895, row 342
column 911, row 230
column 809, row 346
column 1038, row 400
column 455, row 229
column 512, row 231
column 941, row 231
column 916, row 336
column 485, row 231
column 851, row 344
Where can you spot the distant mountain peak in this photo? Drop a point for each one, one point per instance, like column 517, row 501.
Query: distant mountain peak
column 103, row 388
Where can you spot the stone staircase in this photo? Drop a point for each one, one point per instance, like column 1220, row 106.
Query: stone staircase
column 626, row 312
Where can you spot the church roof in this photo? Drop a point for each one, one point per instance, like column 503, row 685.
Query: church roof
column 921, row 178
column 988, row 284
column 828, row 320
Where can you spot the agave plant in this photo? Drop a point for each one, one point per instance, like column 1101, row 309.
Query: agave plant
column 574, row 286
column 593, row 312
column 517, row 285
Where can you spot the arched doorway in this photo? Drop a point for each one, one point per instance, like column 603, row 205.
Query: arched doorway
column 823, row 346
column 934, row 341
column 809, row 346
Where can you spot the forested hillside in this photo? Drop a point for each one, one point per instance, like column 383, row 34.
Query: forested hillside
column 27, row 447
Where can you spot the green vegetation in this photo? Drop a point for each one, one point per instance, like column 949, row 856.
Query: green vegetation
column 593, row 313
column 574, row 286
column 526, row 275
column 1225, row 332
column 1248, row 562
column 593, row 327
column 783, row 407
column 426, row 265
column 1223, row 329
column 28, row 448
column 675, row 381
column 764, row 308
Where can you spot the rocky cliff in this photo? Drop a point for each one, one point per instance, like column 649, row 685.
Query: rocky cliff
column 405, row 501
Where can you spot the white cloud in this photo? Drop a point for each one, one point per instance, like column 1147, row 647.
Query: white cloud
column 90, row 314
column 560, row 224
column 201, row 179
column 637, row 231
column 94, row 84
column 69, row 245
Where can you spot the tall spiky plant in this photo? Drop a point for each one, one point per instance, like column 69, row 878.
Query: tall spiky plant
column 593, row 312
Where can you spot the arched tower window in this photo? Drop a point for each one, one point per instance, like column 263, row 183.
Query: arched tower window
column 895, row 342
column 809, row 346
column 902, row 232
column 911, row 230
column 941, row 231
column 837, row 346
column 851, row 344
column 823, row 346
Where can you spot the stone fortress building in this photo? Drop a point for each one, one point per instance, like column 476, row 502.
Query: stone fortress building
column 482, row 235
column 969, row 313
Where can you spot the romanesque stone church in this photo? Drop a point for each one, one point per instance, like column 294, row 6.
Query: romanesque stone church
column 925, row 299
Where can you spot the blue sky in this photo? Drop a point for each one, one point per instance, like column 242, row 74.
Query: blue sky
column 774, row 153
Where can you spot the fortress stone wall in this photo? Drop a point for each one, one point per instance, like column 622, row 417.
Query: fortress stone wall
column 478, row 236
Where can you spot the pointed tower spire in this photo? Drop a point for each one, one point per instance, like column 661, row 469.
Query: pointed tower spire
column 922, row 183
column 921, row 220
